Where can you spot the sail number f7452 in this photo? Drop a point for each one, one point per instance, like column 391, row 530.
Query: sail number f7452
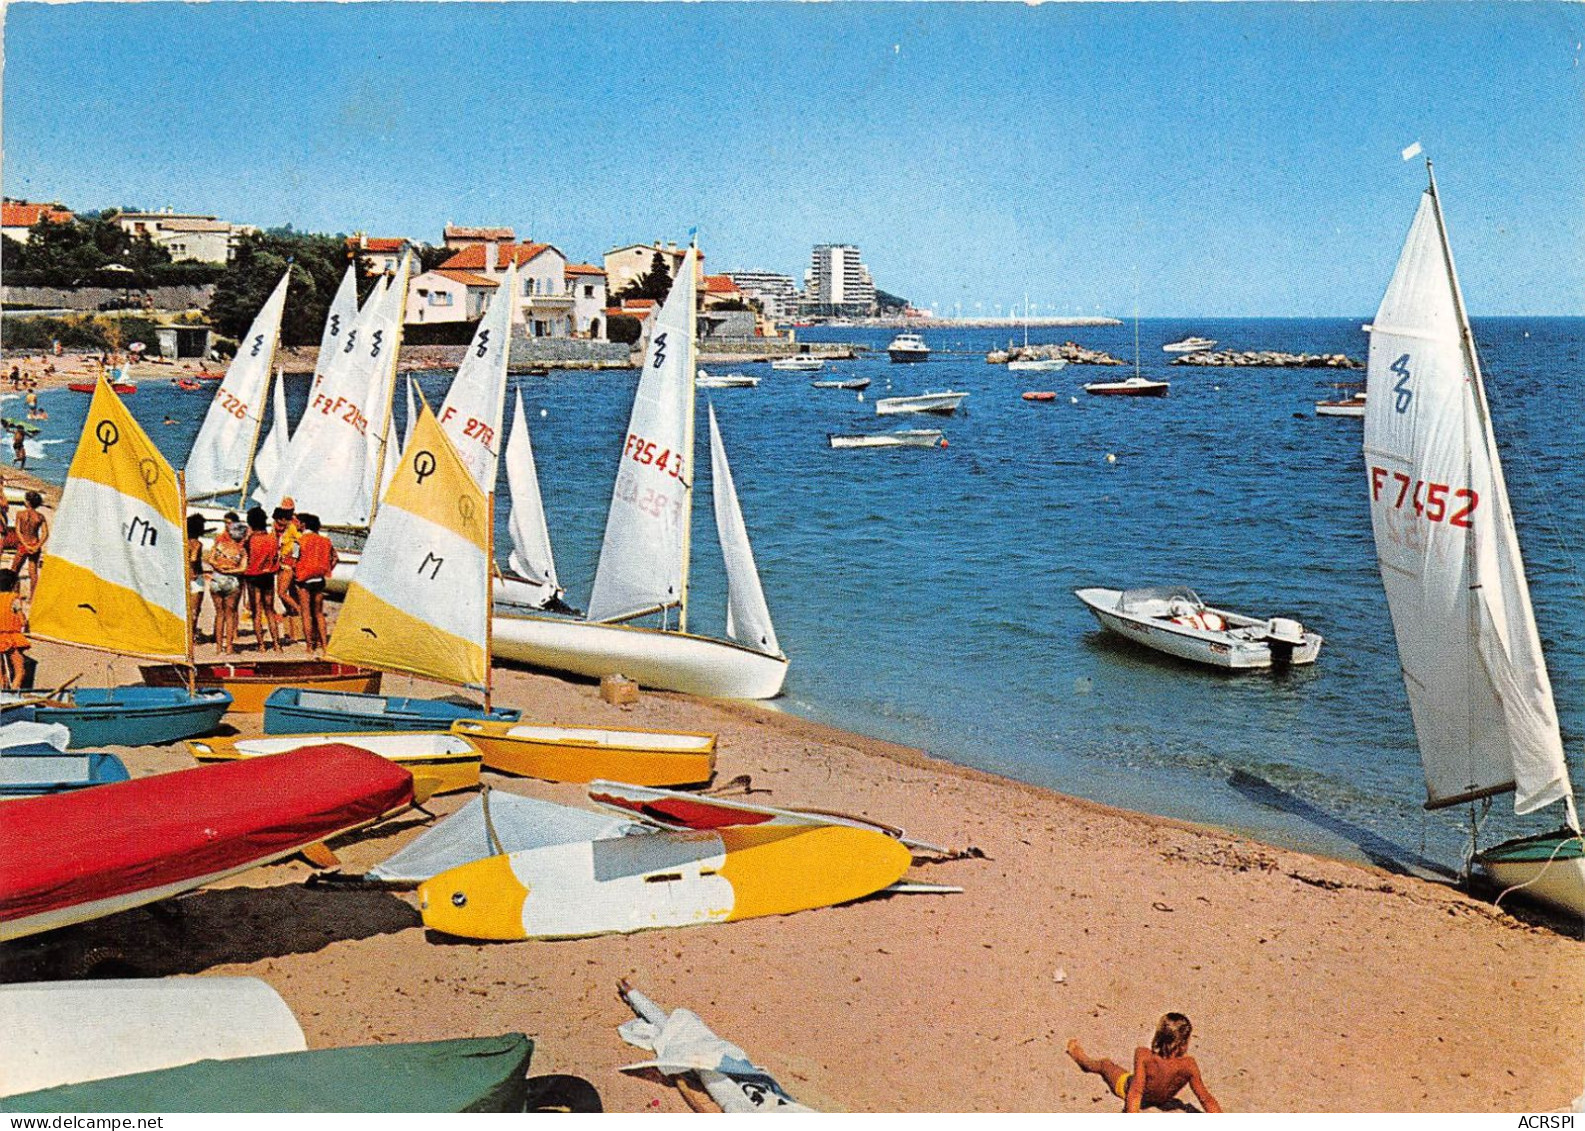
column 1431, row 501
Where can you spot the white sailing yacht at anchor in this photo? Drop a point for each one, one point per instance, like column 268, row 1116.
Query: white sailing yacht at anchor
column 1477, row 681
column 644, row 561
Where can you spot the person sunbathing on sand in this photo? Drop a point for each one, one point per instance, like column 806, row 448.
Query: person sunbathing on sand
column 1159, row 1072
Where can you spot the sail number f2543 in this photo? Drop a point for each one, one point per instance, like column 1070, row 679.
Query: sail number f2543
column 646, row 452
column 1434, row 502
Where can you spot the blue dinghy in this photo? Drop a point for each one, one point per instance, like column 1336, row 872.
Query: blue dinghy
column 137, row 716
column 301, row 710
column 27, row 771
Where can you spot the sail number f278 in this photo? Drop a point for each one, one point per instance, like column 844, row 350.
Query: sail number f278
column 1434, row 502
column 645, row 452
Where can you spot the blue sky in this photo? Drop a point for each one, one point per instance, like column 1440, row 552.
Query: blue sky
column 1215, row 159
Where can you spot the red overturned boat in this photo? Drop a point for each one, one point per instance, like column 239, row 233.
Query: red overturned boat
column 68, row 858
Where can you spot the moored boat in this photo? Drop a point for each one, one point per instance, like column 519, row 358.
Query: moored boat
column 1037, row 365
column 1353, row 406
column 297, row 710
column 725, row 381
column 583, row 754
column 1040, row 395
column 1133, row 387
column 251, row 684
column 439, row 761
column 799, row 364
column 1173, row 619
column 941, row 404
column 1190, row 345
column 462, row 1075
column 136, row 842
column 899, row 438
column 908, row 348
column 853, row 383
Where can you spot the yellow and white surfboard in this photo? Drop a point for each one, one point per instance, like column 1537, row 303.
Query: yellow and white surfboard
column 636, row 883
column 419, row 601
column 114, row 573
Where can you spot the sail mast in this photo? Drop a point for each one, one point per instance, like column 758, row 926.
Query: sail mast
column 692, row 367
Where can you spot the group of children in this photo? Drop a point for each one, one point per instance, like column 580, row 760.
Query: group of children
column 263, row 559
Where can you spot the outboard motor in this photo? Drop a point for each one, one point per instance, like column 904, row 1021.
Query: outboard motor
column 1283, row 636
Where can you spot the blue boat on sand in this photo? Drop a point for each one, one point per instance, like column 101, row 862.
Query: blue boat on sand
column 136, row 716
column 299, row 710
column 27, row 771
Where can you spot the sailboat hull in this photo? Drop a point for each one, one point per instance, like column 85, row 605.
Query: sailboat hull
column 1549, row 868
column 656, row 658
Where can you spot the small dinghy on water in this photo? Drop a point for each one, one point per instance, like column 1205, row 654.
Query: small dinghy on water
column 583, row 754
column 128, row 594
column 468, row 1074
column 853, row 383
column 664, row 879
column 800, row 364
column 250, row 684
column 1173, row 619
column 293, row 710
column 1479, row 693
column 440, row 762
column 1133, row 387
column 938, row 404
column 725, row 381
column 899, row 438
column 60, row 1033
column 136, row 842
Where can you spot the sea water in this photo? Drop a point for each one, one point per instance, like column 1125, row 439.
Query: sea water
column 926, row 595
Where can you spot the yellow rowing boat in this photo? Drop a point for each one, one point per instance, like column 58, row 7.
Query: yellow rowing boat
column 585, row 754
column 440, row 762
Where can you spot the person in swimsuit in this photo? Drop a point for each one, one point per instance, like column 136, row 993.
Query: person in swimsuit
column 287, row 533
column 19, row 449
column 258, row 580
column 1159, row 1072
column 32, row 531
column 195, row 571
column 315, row 562
column 13, row 632
column 227, row 558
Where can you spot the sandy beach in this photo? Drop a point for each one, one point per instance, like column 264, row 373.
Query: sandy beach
column 1313, row 985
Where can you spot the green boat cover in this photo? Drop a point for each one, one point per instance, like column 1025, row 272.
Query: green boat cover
column 472, row 1074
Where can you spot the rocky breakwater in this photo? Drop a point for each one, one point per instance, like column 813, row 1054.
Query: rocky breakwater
column 1071, row 352
column 1269, row 359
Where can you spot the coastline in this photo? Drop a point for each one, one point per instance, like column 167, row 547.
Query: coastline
column 1314, row 985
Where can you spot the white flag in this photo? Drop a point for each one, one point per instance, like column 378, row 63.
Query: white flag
column 1412, row 152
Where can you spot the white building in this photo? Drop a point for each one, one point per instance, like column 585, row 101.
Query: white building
column 201, row 239
column 448, row 296
column 551, row 299
column 625, row 264
column 19, row 216
column 586, row 284
column 837, row 282
column 776, row 294
column 383, row 254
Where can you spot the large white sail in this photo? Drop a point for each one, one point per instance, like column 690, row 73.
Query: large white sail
column 1450, row 563
column 747, row 615
column 343, row 315
column 643, row 560
column 384, row 344
column 271, row 456
column 530, row 556
column 225, row 442
column 332, row 474
column 472, row 411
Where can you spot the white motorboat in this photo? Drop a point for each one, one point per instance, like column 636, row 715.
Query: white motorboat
column 901, row 438
column 644, row 560
column 1173, row 619
column 844, row 383
column 801, row 363
column 908, row 347
column 1190, row 345
column 942, row 404
column 725, row 381
column 1133, row 387
column 1037, row 365
column 1343, row 406
column 1479, row 693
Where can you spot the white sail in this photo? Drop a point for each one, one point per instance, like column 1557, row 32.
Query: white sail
column 271, row 456
column 332, row 474
column 225, row 441
column 1450, row 563
column 384, row 344
column 747, row 615
column 412, row 412
column 530, row 556
column 340, row 319
column 476, row 402
column 643, row 560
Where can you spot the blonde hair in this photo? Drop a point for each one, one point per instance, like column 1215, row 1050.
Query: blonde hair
column 1172, row 1036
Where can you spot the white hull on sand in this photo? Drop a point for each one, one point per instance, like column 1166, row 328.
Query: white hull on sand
column 1549, row 868
column 1175, row 621
column 653, row 657
column 508, row 591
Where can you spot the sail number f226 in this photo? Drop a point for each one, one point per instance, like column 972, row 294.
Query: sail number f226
column 1434, row 502
column 647, row 453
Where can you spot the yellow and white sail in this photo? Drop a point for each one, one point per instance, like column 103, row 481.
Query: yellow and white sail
column 114, row 575
column 419, row 602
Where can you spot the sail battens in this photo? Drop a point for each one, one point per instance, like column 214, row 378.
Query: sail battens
column 1405, row 332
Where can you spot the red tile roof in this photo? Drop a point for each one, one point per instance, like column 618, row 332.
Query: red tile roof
column 467, row 277
column 720, row 285
column 584, row 269
column 473, row 258
column 21, row 214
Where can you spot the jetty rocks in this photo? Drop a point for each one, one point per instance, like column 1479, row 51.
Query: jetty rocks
column 1269, row 359
column 1071, row 352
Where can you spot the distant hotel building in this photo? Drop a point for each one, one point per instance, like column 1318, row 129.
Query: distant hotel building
column 837, row 283
column 776, row 294
column 187, row 236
